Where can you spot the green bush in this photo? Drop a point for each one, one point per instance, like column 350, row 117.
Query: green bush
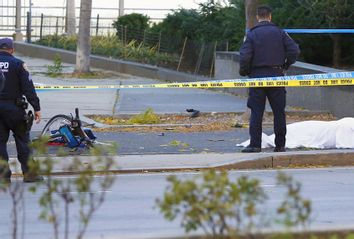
column 135, row 21
column 225, row 208
column 111, row 46
column 131, row 27
column 216, row 205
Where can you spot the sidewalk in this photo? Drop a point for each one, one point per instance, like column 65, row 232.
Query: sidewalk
column 185, row 162
column 111, row 102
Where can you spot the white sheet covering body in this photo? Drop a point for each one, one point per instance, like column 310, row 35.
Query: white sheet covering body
column 315, row 134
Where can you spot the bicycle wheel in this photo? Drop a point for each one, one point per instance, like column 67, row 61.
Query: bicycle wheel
column 55, row 123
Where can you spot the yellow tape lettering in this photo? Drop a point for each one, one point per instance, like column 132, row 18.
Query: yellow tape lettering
column 282, row 83
column 216, row 84
column 239, row 84
column 346, row 81
column 302, row 83
column 317, row 82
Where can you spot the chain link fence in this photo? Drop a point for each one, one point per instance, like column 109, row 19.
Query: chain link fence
column 145, row 46
column 196, row 57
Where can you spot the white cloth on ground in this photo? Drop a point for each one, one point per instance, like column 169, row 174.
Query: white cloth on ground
column 315, row 134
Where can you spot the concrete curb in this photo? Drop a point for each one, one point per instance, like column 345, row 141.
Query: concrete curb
column 313, row 158
column 195, row 162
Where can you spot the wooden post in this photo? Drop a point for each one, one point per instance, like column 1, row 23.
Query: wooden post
column 122, row 34
column 182, row 53
column 159, row 43
column 213, row 60
column 125, row 34
column 41, row 27
column 97, row 21
column 144, row 36
column 200, row 57
column 28, row 28
column 57, row 26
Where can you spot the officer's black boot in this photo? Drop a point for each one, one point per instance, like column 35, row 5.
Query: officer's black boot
column 32, row 177
column 279, row 149
column 5, row 172
column 250, row 149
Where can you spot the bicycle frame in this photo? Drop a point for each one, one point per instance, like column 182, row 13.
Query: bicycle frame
column 70, row 134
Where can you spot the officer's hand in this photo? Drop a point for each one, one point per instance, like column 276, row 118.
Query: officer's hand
column 37, row 116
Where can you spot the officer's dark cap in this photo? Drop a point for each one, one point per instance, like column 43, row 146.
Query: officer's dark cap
column 264, row 11
column 6, row 43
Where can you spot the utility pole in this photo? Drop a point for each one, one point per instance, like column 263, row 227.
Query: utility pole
column 83, row 49
column 18, row 36
column 251, row 20
column 251, row 12
column 70, row 18
column 121, row 8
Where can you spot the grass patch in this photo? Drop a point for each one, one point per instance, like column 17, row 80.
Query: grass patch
column 148, row 117
column 176, row 143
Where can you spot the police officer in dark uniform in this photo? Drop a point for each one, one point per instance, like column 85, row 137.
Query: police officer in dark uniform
column 267, row 51
column 15, row 83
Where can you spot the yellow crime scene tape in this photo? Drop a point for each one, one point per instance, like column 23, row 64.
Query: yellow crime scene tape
column 330, row 79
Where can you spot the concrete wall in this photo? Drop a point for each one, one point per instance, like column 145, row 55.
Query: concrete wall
column 339, row 100
column 105, row 63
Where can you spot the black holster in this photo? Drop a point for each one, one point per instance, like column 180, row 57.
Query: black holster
column 22, row 103
column 28, row 120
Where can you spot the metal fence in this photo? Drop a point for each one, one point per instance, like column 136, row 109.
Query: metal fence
column 43, row 25
column 46, row 20
column 190, row 56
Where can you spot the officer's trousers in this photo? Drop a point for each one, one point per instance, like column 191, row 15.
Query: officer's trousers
column 256, row 102
column 12, row 119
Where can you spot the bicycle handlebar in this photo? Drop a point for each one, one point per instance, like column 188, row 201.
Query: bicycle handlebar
column 76, row 113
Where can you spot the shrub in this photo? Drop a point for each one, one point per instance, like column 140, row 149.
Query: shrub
column 111, row 46
column 223, row 208
column 131, row 25
column 217, row 205
column 135, row 21
column 56, row 68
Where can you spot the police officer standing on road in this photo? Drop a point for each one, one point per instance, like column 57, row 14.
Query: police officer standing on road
column 15, row 83
column 267, row 51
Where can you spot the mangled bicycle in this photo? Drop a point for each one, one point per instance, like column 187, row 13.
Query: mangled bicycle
column 65, row 130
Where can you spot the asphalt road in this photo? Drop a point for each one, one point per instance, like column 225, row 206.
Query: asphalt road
column 129, row 210
column 166, row 142
column 177, row 101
